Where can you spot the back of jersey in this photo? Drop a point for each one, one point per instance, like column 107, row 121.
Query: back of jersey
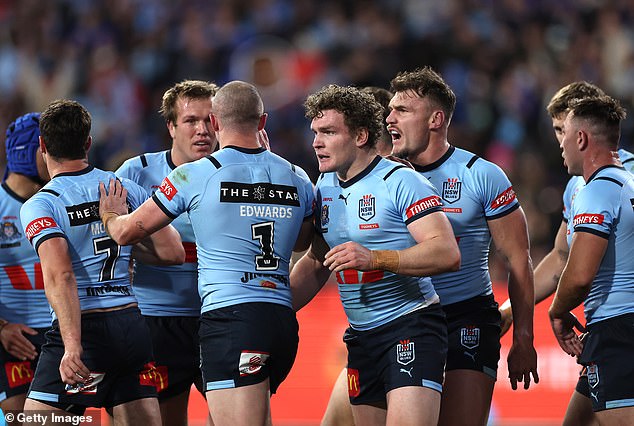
column 68, row 207
column 246, row 207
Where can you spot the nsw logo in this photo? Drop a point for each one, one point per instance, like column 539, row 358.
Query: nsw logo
column 367, row 207
column 470, row 337
column 451, row 190
column 405, row 353
column 592, row 370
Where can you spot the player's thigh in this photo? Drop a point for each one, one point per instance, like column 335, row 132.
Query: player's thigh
column 466, row 398
column 339, row 412
column 415, row 406
column 241, row 406
column 579, row 411
column 143, row 411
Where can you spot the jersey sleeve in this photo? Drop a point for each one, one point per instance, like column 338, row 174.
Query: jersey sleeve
column 176, row 194
column 41, row 220
column 573, row 186
column 129, row 169
column 494, row 188
column 136, row 193
column 414, row 196
column 595, row 208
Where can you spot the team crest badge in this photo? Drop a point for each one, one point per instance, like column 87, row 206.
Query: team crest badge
column 367, row 207
column 405, row 352
column 10, row 235
column 592, row 371
column 451, row 190
column 470, row 337
column 325, row 215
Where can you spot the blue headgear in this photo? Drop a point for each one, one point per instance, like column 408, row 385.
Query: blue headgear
column 22, row 143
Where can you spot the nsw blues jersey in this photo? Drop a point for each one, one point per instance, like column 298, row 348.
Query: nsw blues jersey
column 576, row 183
column 605, row 207
column 22, row 298
column 246, row 207
column 374, row 209
column 164, row 290
column 473, row 192
column 68, row 207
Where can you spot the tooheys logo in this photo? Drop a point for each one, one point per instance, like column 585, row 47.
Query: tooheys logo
column 38, row 225
column 18, row 373
column 168, row 189
column 504, row 198
column 594, row 219
column 423, row 205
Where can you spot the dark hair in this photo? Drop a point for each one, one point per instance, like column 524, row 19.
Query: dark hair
column 560, row 101
column 188, row 89
column 359, row 109
column 427, row 83
column 603, row 115
column 65, row 128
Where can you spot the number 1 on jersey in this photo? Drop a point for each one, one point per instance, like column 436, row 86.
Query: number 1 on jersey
column 264, row 233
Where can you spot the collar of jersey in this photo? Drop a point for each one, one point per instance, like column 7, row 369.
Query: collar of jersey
column 12, row 194
column 361, row 175
column 246, row 150
column 436, row 163
column 88, row 169
column 593, row 175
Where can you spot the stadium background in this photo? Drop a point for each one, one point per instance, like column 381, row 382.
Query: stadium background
column 503, row 58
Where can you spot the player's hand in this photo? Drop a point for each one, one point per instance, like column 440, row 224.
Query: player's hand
column 263, row 139
column 564, row 329
column 114, row 199
column 522, row 363
column 72, row 368
column 14, row 342
column 506, row 312
column 349, row 255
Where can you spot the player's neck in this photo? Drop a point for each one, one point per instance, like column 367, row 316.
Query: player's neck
column 239, row 140
column 433, row 152
column 598, row 159
column 22, row 185
column 56, row 167
column 359, row 164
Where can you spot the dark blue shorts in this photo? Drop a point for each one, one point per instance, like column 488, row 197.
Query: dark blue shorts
column 176, row 354
column 474, row 335
column 16, row 375
column 118, row 352
column 607, row 359
column 408, row 351
column 244, row 344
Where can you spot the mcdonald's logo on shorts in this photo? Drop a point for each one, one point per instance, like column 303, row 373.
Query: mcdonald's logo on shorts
column 18, row 373
column 354, row 388
column 153, row 375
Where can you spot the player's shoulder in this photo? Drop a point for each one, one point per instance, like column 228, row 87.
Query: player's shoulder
column 627, row 159
column 140, row 162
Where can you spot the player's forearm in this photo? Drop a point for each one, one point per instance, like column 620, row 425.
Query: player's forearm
column 430, row 257
column 307, row 277
column 547, row 275
column 123, row 230
column 571, row 292
column 61, row 292
column 522, row 297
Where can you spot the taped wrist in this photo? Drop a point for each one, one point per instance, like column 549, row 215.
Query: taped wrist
column 106, row 217
column 386, row 260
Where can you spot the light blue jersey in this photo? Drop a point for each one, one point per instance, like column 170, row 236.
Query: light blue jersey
column 164, row 290
column 473, row 192
column 575, row 183
column 68, row 207
column 246, row 207
column 374, row 209
column 605, row 207
column 22, row 298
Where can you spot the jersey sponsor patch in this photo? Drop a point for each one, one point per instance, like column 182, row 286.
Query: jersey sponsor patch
column 588, row 218
column 423, row 205
column 38, row 225
column 83, row 214
column 168, row 189
column 367, row 207
column 470, row 337
column 405, row 353
column 504, row 199
column 258, row 193
column 18, row 373
column 325, row 215
column 354, row 387
column 451, row 190
column 88, row 388
column 251, row 362
column 153, row 375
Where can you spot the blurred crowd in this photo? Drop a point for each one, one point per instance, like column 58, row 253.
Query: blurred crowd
column 503, row 58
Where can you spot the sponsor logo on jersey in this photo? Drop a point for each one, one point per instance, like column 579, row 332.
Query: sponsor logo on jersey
column 258, row 193
column 452, row 209
column 504, row 199
column 588, row 218
column 354, row 387
column 9, row 234
column 154, row 375
column 423, row 205
column 38, row 225
column 367, row 207
column 88, row 388
column 405, row 353
column 168, row 189
column 451, row 190
column 364, row 226
column 107, row 290
column 325, row 214
column 251, row 362
column 470, row 337
column 83, row 214
column 18, row 373
column 592, row 371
